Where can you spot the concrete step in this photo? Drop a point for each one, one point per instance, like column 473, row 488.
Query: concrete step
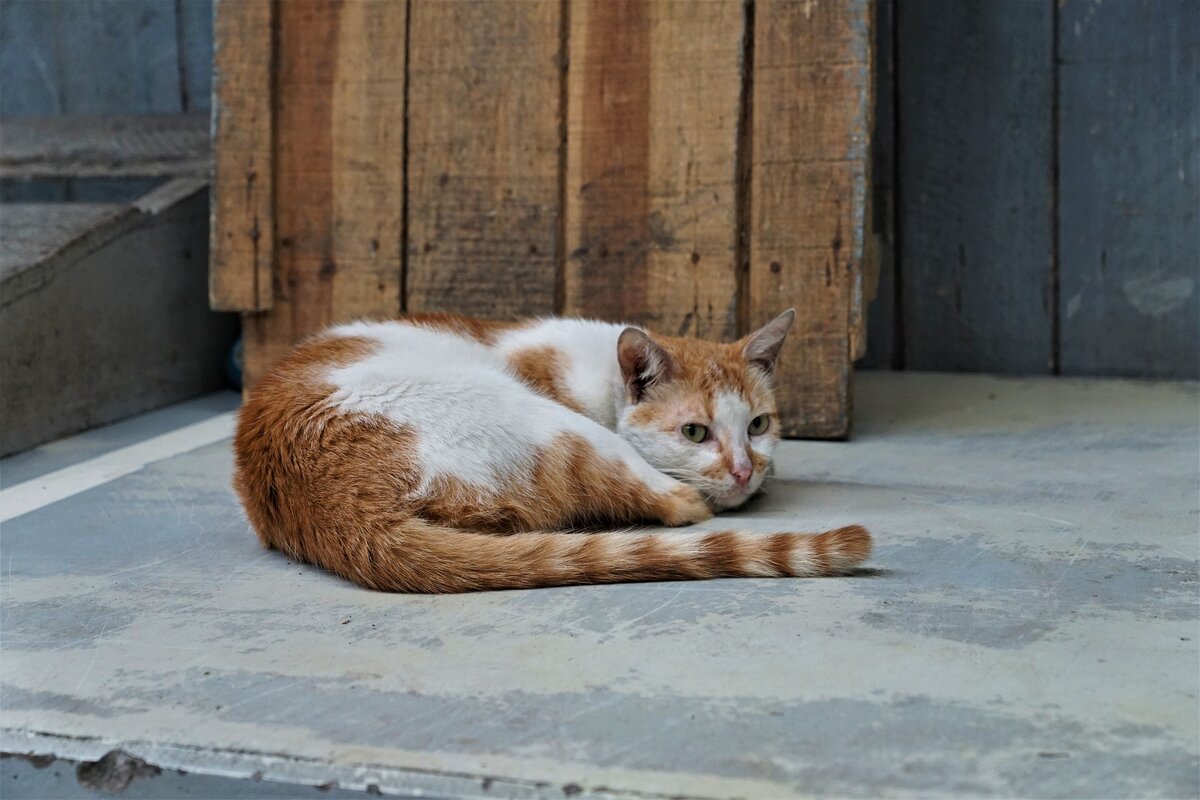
column 164, row 145
column 103, row 305
column 104, row 311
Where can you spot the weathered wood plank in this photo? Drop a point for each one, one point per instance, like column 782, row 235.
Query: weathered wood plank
column 306, row 61
column 105, row 147
column 485, row 87
column 243, row 219
column 1130, row 237
column 606, row 198
column 811, row 91
column 651, row 201
column 976, row 177
column 367, row 161
column 338, row 222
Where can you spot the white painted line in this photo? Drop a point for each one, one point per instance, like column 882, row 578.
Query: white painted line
column 40, row 492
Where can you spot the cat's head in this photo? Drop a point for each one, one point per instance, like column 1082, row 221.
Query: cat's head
column 704, row 412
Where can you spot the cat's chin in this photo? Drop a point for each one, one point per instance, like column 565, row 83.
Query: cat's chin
column 730, row 501
column 735, row 498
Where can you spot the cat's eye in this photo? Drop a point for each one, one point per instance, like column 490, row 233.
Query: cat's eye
column 759, row 424
column 695, row 432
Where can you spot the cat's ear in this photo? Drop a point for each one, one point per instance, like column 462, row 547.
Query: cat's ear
column 762, row 347
column 643, row 362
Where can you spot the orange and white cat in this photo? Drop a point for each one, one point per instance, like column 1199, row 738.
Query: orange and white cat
column 446, row 454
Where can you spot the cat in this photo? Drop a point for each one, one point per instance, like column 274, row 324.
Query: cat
column 441, row 453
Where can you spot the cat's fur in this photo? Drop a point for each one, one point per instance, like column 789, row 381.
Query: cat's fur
column 446, row 454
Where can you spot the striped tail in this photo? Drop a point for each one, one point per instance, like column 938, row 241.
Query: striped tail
column 425, row 558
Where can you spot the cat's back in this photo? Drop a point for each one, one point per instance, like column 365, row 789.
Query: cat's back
column 362, row 358
column 364, row 397
column 571, row 360
column 404, row 354
column 434, row 382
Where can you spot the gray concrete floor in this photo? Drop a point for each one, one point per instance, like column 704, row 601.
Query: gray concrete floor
column 1029, row 629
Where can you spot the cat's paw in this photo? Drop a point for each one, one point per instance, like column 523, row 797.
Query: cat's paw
column 684, row 506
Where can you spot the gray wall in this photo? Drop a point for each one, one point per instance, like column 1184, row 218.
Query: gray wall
column 104, row 56
column 90, row 57
column 1037, row 164
column 1036, row 167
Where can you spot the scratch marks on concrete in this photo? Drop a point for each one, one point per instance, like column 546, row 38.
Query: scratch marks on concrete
column 1007, row 598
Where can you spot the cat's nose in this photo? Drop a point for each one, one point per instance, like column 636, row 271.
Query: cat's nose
column 742, row 475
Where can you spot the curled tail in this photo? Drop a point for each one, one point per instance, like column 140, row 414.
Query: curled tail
column 420, row 557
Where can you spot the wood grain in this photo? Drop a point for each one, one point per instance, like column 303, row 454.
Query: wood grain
column 485, row 87
column 658, row 135
column 367, row 161
column 810, row 131
column 1130, row 237
column 976, row 176
column 652, row 154
column 340, row 88
column 303, row 104
column 242, row 239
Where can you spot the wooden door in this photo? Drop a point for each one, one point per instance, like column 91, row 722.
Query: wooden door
column 696, row 166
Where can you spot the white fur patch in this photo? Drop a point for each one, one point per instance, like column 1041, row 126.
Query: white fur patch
column 759, row 563
column 802, row 559
column 683, row 546
column 473, row 420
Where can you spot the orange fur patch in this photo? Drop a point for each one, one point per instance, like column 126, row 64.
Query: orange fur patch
column 543, row 369
column 481, row 330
